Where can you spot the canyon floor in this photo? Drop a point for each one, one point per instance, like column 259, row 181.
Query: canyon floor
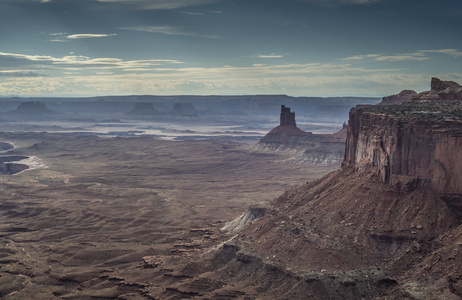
column 106, row 215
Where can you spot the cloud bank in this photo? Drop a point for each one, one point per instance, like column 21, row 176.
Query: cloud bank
column 82, row 75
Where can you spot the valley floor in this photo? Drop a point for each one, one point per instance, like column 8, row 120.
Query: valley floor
column 106, row 215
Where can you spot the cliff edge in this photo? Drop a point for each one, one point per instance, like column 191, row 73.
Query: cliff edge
column 413, row 144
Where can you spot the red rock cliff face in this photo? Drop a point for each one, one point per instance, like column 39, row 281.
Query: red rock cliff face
column 407, row 153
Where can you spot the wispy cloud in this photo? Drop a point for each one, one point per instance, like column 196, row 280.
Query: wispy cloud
column 41, row 63
column 191, row 13
column 389, row 58
column 403, row 57
column 89, row 35
column 452, row 52
column 272, row 55
column 169, row 30
column 160, row 4
column 61, row 37
column 361, row 57
column 417, row 56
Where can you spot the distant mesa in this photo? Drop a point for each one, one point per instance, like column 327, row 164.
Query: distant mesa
column 184, row 109
column 325, row 149
column 143, row 109
column 33, row 108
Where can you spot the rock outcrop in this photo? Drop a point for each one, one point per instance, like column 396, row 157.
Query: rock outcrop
column 287, row 117
column 441, row 90
column 325, row 149
column 402, row 97
column 287, row 134
column 8, row 165
column 438, row 85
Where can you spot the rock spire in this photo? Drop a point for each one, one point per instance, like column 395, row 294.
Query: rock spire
column 287, row 117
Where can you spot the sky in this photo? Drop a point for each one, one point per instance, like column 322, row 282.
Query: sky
column 227, row 47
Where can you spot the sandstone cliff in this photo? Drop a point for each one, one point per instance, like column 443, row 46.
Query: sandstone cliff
column 407, row 151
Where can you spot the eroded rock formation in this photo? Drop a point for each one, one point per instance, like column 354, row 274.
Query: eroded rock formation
column 287, row 117
column 441, row 90
column 402, row 97
column 326, row 149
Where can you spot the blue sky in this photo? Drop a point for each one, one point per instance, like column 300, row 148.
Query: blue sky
column 212, row 47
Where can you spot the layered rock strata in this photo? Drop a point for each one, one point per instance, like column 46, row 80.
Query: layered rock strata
column 407, row 151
